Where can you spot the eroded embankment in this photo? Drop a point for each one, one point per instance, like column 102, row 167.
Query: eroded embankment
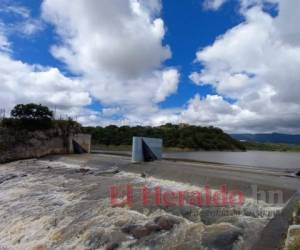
column 65, row 204
column 23, row 144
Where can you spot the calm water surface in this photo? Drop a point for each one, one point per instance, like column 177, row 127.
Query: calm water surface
column 280, row 160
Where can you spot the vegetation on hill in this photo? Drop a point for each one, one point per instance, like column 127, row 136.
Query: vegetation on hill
column 27, row 119
column 32, row 117
column 282, row 147
column 175, row 136
column 269, row 138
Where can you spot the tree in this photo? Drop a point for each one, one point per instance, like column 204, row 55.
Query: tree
column 32, row 111
column 29, row 117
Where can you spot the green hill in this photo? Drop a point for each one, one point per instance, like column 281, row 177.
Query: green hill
column 175, row 136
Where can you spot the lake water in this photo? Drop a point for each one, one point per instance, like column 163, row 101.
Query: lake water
column 261, row 159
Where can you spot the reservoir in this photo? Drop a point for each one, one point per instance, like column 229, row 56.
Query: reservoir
column 258, row 159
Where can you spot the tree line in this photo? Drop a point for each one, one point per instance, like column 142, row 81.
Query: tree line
column 37, row 117
column 175, row 136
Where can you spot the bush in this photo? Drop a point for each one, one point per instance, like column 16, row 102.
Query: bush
column 27, row 124
column 67, row 126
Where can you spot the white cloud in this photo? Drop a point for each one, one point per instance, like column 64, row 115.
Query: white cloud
column 108, row 112
column 116, row 49
column 117, row 46
column 22, row 22
column 29, row 27
column 111, row 37
column 207, row 111
column 4, row 43
column 257, row 63
column 23, row 83
column 7, row 6
column 213, row 4
column 287, row 22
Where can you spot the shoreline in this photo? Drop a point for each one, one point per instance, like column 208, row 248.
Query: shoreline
column 268, row 147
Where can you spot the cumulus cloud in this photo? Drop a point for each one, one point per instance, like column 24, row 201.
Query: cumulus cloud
column 257, row 64
column 207, row 111
column 117, row 46
column 23, row 83
column 115, row 49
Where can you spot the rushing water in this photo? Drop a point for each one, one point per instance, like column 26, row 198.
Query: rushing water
column 54, row 204
column 278, row 160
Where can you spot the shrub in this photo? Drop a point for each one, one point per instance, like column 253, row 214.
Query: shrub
column 27, row 124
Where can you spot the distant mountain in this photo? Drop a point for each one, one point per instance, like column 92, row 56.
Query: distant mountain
column 272, row 138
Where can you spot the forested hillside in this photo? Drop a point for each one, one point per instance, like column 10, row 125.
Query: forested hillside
column 179, row 136
column 268, row 138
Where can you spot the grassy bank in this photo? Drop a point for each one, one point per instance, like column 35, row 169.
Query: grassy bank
column 280, row 147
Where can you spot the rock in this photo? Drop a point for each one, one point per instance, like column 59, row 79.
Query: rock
column 39, row 247
column 107, row 172
column 34, row 142
column 153, row 227
column 140, row 232
column 121, row 204
column 243, row 222
column 112, row 246
column 220, row 236
column 166, row 222
column 143, row 175
column 39, row 135
column 137, row 231
column 127, row 229
column 297, row 173
column 96, row 239
column 82, row 170
column 251, row 227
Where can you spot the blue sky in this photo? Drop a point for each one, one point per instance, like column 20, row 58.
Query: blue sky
column 151, row 62
column 189, row 27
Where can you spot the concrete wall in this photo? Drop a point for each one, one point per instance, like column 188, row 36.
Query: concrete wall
column 152, row 144
column 34, row 145
column 41, row 143
column 83, row 140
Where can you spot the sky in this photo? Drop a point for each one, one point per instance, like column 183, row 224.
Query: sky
column 232, row 64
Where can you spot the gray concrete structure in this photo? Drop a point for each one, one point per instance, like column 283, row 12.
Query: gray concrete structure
column 146, row 149
column 80, row 143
